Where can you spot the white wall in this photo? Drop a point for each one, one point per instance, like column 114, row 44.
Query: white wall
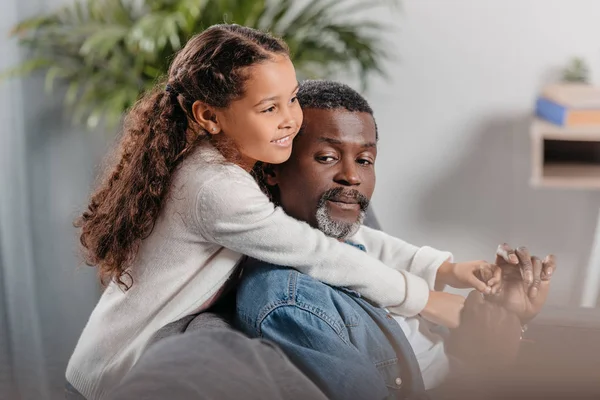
column 46, row 169
column 453, row 163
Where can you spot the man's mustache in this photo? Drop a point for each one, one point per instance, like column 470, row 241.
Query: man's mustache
column 345, row 195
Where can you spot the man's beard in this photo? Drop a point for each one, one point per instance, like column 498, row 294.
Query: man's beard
column 340, row 229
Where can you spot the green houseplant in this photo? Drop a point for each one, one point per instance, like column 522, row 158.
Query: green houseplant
column 107, row 52
column 577, row 71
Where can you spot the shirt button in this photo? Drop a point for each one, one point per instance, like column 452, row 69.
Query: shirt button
column 398, row 381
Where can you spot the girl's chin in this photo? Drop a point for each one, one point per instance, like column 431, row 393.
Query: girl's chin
column 278, row 157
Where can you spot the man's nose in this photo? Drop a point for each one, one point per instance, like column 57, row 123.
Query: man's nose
column 348, row 174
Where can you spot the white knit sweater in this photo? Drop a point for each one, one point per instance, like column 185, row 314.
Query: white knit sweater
column 215, row 212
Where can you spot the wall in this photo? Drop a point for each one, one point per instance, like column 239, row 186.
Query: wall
column 453, row 164
column 46, row 170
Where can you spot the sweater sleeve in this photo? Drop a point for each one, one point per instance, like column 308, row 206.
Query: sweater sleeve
column 398, row 254
column 232, row 211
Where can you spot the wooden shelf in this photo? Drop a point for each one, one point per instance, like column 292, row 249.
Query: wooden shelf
column 572, row 165
column 574, row 176
column 546, row 130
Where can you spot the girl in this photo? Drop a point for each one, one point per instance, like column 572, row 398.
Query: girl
column 170, row 222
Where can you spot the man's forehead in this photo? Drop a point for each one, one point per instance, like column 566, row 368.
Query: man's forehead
column 337, row 126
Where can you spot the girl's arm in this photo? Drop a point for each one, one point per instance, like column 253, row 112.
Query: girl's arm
column 435, row 266
column 232, row 211
column 422, row 261
column 444, row 309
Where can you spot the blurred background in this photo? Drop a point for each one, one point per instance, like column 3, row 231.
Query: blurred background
column 453, row 84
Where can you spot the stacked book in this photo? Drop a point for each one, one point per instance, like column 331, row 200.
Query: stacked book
column 570, row 105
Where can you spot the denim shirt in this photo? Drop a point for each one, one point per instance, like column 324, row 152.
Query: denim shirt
column 349, row 348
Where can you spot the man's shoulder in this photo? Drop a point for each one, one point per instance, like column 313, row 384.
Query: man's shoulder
column 262, row 282
column 265, row 287
column 266, row 282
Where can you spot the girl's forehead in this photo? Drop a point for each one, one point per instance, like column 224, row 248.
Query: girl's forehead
column 271, row 80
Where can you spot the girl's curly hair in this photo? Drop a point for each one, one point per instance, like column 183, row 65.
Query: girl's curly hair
column 159, row 132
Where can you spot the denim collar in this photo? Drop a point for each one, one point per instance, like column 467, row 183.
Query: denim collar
column 357, row 245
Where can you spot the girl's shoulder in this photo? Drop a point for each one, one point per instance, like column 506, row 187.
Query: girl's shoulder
column 205, row 166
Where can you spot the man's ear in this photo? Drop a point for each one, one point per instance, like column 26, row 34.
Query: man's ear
column 206, row 117
column 270, row 174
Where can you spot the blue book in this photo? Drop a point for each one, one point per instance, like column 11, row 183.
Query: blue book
column 551, row 111
column 561, row 115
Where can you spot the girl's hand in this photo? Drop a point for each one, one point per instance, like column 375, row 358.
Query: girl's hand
column 486, row 278
column 444, row 309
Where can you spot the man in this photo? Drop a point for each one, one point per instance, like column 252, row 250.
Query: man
column 209, row 360
column 347, row 346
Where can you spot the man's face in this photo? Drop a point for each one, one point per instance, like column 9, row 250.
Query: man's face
column 330, row 176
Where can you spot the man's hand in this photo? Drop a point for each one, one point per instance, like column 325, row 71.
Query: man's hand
column 525, row 283
column 488, row 334
column 507, row 257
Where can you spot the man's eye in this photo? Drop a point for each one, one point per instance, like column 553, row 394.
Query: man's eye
column 269, row 110
column 326, row 159
column 365, row 161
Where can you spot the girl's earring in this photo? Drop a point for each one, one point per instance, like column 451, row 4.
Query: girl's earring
column 213, row 129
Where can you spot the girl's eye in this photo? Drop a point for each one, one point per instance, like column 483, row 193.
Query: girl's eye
column 294, row 99
column 269, row 110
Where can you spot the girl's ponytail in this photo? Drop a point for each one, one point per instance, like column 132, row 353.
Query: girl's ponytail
column 123, row 211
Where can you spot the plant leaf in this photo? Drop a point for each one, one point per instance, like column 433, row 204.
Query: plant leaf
column 108, row 52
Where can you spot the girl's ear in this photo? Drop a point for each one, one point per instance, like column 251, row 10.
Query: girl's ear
column 270, row 174
column 206, row 117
